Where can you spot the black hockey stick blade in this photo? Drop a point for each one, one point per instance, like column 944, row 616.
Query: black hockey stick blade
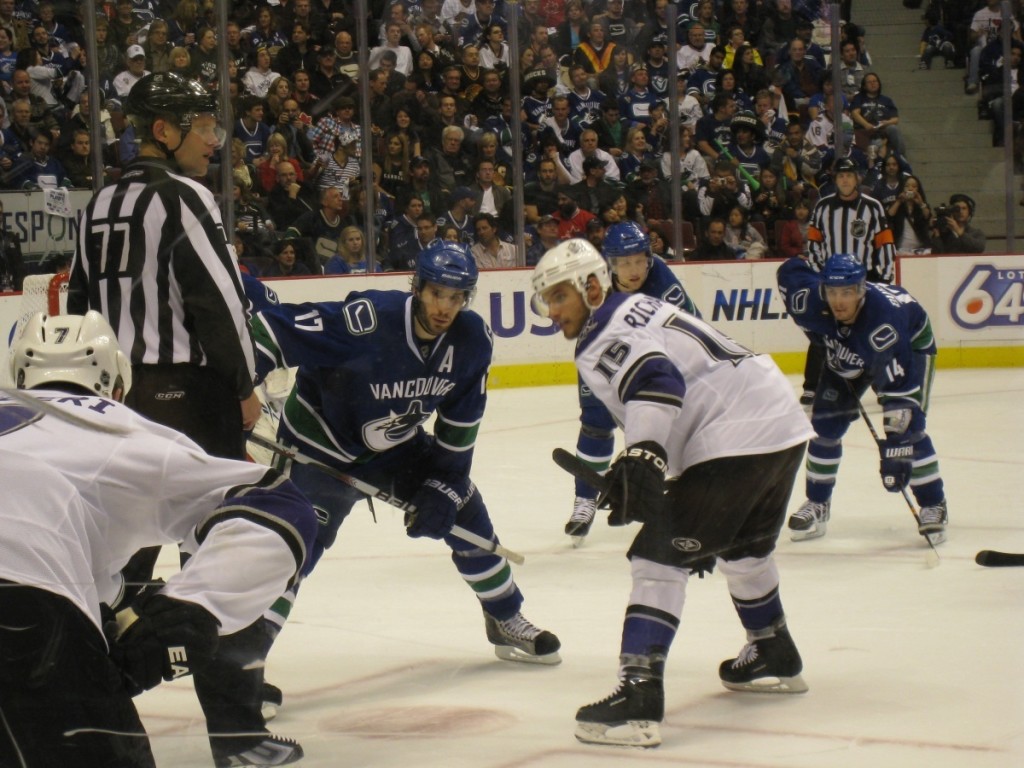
column 580, row 469
column 992, row 559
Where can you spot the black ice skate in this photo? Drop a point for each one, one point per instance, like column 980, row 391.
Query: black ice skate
column 810, row 521
column 583, row 511
column 932, row 522
column 768, row 663
column 260, row 749
column 629, row 717
column 516, row 639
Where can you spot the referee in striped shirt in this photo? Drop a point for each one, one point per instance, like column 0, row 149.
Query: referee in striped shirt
column 153, row 258
column 847, row 222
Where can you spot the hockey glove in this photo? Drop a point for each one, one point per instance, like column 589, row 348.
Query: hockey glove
column 162, row 638
column 897, row 449
column 436, row 503
column 637, row 484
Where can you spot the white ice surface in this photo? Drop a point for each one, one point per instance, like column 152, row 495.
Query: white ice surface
column 385, row 662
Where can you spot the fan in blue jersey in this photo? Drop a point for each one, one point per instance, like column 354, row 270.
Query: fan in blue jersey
column 714, row 439
column 634, row 269
column 372, row 369
column 875, row 336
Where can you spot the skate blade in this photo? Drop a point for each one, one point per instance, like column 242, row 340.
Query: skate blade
column 935, row 537
column 632, row 733
column 811, row 533
column 577, row 540
column 793, row 684
column 511, row 653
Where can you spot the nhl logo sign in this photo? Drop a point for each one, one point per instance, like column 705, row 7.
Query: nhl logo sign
column 859, row 228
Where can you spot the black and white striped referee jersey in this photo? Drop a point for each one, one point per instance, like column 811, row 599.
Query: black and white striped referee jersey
column 858, row 227
column 153, row 258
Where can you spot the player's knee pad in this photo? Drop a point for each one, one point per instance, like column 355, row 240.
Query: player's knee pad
column 474, row 517
column 750, row 577
column 658, row 586
column 831, row 425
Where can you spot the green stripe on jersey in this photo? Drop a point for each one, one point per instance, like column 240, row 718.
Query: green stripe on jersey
column 455, row 435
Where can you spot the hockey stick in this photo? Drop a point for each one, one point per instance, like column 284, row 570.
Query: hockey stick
column 992, row 559
column 388, row 498
column 933, row 555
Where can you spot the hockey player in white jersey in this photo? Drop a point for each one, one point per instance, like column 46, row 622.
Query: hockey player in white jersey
column 634, row 268
column 714, row 440
column 87, row 482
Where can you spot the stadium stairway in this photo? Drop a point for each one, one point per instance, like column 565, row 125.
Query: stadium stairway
column 949, row 148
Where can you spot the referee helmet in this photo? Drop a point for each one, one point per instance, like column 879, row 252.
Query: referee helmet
column 169, row 96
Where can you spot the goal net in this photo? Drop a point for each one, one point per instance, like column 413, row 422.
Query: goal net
column 42, row 293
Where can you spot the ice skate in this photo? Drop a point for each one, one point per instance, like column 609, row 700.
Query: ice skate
column 932, row 522
column 810, row 521
column 629, row 717
column 260, row 749
column 768, row 663
column 516, row 639
column 583, row 511
column 272, row 700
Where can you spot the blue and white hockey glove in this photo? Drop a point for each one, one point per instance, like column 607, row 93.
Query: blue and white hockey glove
column 897, row 449
column 436, row 503
column 637, row 484
column 161, row 638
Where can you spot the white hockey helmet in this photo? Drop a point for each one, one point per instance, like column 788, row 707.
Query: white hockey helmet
column 573, row 261
column 70, row 349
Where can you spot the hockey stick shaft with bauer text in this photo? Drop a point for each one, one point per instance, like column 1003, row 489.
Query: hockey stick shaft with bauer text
column 369, row 490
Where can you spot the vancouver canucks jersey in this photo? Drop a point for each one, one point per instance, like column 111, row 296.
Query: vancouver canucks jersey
column 662, row 283
column 366, row 384
column 669, row 377
column 890, row 341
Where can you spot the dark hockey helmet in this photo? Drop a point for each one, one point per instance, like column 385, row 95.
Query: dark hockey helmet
column 845, row 164
column 843, row 269
column 448, row 264
column 170, row 96
column 625, row 239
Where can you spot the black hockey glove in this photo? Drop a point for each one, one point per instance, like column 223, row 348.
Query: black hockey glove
column 897, row 449
column 162, row 638
column 436, row 503
column 637, row 484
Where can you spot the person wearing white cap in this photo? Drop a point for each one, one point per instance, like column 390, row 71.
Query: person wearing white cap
column 136, row 59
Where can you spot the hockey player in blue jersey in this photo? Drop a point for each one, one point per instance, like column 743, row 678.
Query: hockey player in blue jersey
column 875, row 336
column 634, row 269
column 372, row 369
column 714, row 439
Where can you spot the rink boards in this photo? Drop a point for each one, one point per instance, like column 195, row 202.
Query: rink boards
column 976, row 305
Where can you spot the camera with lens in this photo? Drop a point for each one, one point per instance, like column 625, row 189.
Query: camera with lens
column 941, row 212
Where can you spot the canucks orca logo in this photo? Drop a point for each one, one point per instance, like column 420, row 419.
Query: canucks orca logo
column 393, row 429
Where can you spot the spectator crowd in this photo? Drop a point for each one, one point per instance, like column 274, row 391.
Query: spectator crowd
column 757, row 133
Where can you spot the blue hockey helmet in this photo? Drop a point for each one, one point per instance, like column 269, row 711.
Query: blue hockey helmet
column 843, row 269
column 448, row 264
column 625, row 239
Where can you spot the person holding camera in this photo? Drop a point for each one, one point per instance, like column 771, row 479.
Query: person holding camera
column 910, row 217
column 951, row 227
